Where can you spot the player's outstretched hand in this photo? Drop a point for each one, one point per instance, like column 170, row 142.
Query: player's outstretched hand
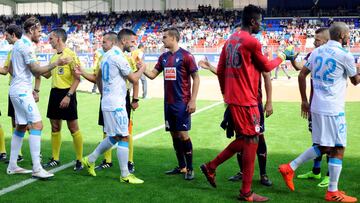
column 78, row 71
column 204, row 63
column 64, row 60
column 36, row 96
column 305, row 109
column 141, row 66
column 191, row 106
column 268, row 109
column 288, row 53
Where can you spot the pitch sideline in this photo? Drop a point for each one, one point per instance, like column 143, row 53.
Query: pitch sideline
column 65, row 166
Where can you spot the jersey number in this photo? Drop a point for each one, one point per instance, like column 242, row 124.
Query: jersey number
column 105, row 71
column 233, row 56
column 330, row 63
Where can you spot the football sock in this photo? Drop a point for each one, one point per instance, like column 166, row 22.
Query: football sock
column 310, row 153
column 335, row 166
column 104, row 145
column 35, row 146
column 78, row 144
column 56, row 145
column 239, row 160
column 228, row 152
column 2, row 141
column 188, row 150
column 248, row 162
column 12, row 132
column 262, row 154
column 123, row 157
column 16, row 142
column 107, row 154
column 178, row 146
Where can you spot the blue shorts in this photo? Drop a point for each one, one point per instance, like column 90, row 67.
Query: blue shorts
column 262, row 122
column 176, row 117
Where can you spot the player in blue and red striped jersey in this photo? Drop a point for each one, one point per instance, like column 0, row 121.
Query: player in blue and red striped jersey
column 241, row 62
column 178, row 67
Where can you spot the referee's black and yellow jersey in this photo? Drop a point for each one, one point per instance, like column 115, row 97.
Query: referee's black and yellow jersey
column 62, row 76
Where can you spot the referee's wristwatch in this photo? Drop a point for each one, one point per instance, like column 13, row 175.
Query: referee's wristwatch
column 135, row 100
column 69, row 94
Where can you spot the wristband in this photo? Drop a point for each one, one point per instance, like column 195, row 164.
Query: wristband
column 36, row 90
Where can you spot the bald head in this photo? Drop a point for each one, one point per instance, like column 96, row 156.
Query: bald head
column 339, row 31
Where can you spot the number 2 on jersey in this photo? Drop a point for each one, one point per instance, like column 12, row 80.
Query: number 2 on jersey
column 331, row 67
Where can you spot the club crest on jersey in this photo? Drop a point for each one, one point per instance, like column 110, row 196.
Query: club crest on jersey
column 60, row 70
column 170, row 73
column 256, row 123
column 177, row 60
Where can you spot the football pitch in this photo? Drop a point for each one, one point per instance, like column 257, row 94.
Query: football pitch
column 286, row 136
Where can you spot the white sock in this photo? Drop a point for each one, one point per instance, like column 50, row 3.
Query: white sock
column 309, row 154
column 35, row 147
column 123, row 157
column 16, row 143
column 335, row 166
column 105, row 145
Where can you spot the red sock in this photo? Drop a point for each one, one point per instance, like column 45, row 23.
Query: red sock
column 234, row 147
column 248, row 160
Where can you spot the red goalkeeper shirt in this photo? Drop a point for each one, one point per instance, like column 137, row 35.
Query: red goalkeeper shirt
column 241, row 62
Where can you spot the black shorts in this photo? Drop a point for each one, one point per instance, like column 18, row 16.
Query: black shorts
column 55, row 112
column 11, row 111
column 262, row 120
column 176, row 117
column 128, row 109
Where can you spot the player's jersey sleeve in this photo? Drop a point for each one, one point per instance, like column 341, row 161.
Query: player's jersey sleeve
column 159, row 67
column 308, row 63
column 7, row 62
column 261, row 61
column 350, row 67
column 123, row 65
column 190, row 63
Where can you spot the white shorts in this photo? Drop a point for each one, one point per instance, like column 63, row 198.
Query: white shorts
column 26, row 110
column 116, row 122
column 329, row 131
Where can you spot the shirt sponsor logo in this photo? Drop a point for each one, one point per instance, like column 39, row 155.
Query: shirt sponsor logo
column 170, row 73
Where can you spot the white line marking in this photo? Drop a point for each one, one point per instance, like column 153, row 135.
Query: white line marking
column 65, row 166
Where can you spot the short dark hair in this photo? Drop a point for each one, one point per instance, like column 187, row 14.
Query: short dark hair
column 320, row 30
column 112, row 36
column 173, row 31
column 60, row 33
column 14, row 29
column 125, row 32
column 30, row 23
column 250, row 12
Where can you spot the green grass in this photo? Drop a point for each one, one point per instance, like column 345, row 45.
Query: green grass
column 286, row 136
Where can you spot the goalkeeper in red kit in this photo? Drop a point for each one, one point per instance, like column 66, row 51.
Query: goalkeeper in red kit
column 239, row 68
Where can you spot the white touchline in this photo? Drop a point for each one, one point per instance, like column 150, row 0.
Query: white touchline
column 65, row 166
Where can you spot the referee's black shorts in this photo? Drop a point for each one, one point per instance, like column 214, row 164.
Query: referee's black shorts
column 11, row 111
column 128, row 109
column 55, row 112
